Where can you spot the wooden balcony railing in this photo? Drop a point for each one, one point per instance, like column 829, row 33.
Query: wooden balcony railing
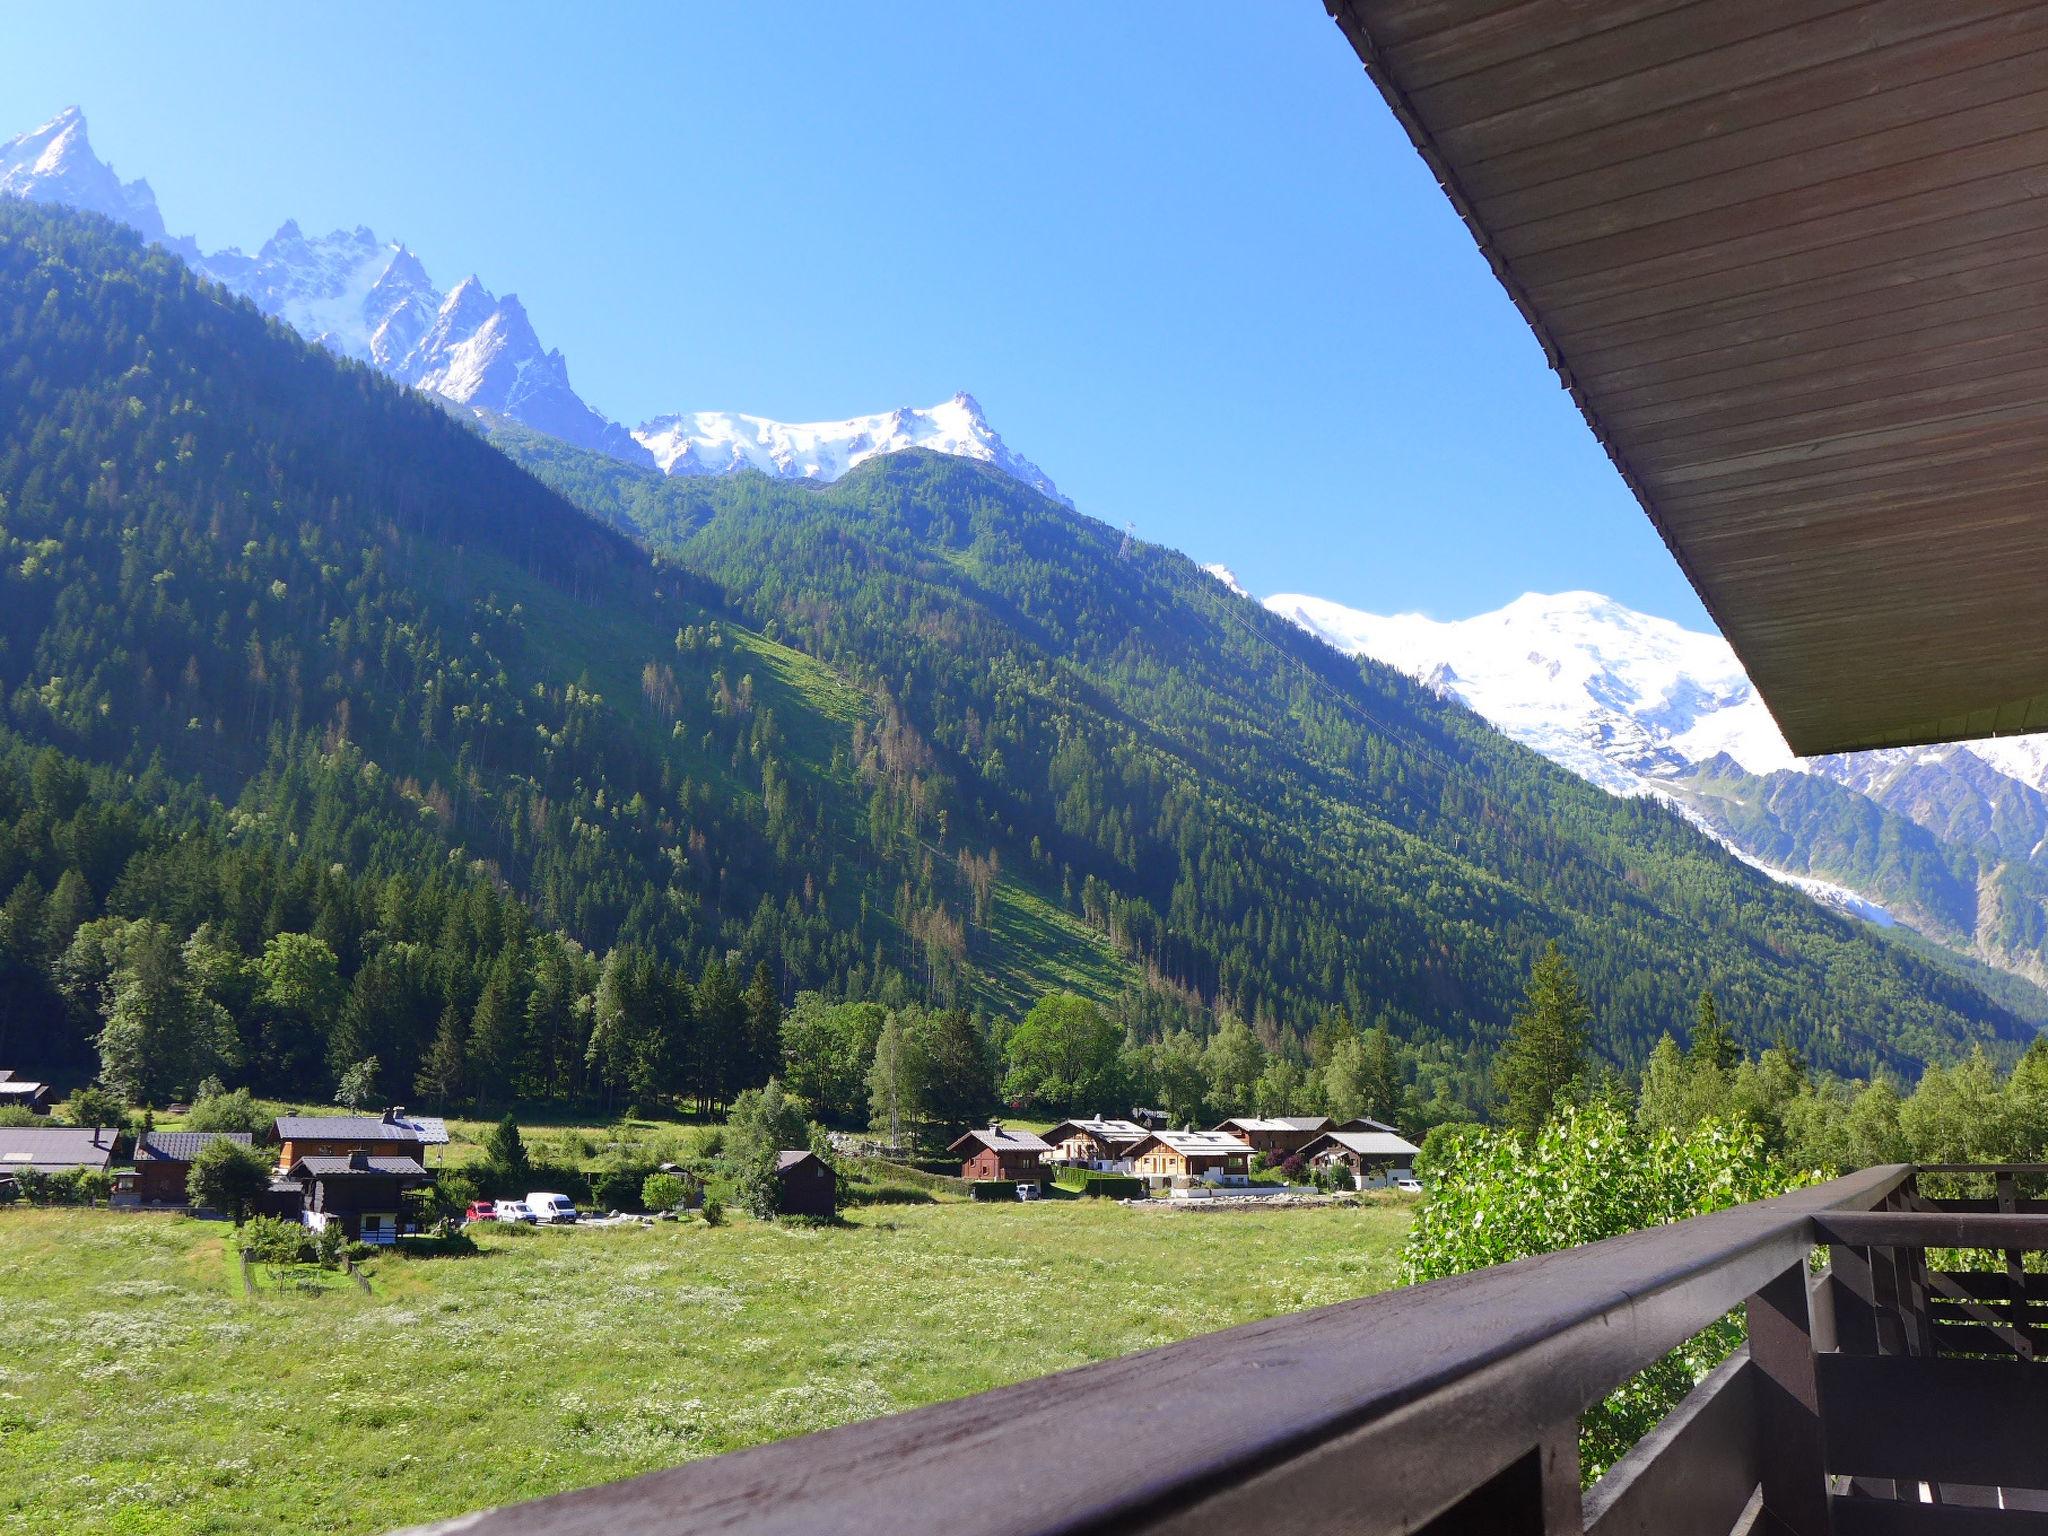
column 1878, row 1394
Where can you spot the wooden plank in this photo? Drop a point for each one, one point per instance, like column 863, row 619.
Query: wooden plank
column 1831, row 225
column 1789, row 1440
column 1505, row 33
column 1811, row 181
column 1957, row 43
column 1649, row 328
column 1612, row 73
column 1695, row 1472
column 1807, row 141
column 1504, row 122
column 1920, row 1229
column 1972, row 1421
column 1889, row 1517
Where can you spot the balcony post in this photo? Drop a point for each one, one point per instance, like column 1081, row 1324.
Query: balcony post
column 1789, row 1454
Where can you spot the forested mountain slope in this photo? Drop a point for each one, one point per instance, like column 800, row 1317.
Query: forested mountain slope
column 1250, row 816
column 349, row 672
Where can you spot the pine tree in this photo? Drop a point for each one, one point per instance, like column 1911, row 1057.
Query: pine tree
column 444, row 1075
column 1545, row 1050
column 1711, row 1042
column 764, row 1028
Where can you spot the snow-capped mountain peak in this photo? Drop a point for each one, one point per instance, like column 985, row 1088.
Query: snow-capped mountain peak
column 1620, row 697
column 55, row 163
column 720, row 442
column 371, row 299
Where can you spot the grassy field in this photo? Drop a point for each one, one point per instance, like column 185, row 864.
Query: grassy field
column 144, row 1391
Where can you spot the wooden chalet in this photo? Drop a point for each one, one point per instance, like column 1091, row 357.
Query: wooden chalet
column 21, row 1093
column 1001, row 1153
column 1094, row 1143
column 364, row 1192
column 1191, row 1157
column 163, row 1160
column 393, row 1133
column 56, row 1148
column 1790, row 260
column 809, row 1186
column 1370, row 1157
column 1278, row 1136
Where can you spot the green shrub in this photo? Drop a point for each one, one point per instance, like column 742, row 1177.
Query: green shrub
column 617, row 1186
column 714, row 1211
column 236, row 1111
column 273, row 1240
column 330, row 1244
column 993, row 1189
column 662, row 1191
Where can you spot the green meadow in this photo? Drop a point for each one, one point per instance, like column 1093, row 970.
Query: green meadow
column 145, row 1389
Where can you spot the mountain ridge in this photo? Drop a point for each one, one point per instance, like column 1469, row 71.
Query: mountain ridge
column 1951, row 840
column 372, row 300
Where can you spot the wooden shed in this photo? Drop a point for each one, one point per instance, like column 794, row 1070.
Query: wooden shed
column 21, row 1092
column 163, row 1160
column 809, row 1186
column 1001, row 1153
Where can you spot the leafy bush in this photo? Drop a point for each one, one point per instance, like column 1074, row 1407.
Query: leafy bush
column 617, row 1185
column 273, row 1240
column 714, row 1211
column 236, row 1111
column 993, row 1189
column 330, row 1245
column 1591, row 1173
column 663, row 1191
column 228, row 1177
column 95, row 1105
column 20, row 1115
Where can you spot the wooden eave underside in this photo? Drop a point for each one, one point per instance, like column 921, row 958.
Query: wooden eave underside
column 1790, row 258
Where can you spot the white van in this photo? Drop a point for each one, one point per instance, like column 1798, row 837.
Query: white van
column 515, row 1210
column 549, row 1208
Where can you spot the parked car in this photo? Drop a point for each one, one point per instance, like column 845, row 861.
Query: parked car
column 1409, row 1186
column 481, row 1210
column 1027, row 1191
column 551, row 1209
column 515, row 1210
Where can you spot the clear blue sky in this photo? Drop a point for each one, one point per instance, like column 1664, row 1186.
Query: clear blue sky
column 1183, row 255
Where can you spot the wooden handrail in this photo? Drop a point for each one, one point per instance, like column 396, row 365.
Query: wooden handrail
column 1390, row 1409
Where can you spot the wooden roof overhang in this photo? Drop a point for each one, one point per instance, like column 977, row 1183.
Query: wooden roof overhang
column 1790, row 258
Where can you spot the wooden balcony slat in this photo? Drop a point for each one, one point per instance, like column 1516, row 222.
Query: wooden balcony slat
column 1931, row 1229
column 1959, row 1421
column 1887, row 1517
column 1695, row 1472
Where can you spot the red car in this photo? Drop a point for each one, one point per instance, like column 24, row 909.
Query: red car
column 481, row 1210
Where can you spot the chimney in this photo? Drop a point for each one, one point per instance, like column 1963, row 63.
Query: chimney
column 359, row 1160
column 391, row 1115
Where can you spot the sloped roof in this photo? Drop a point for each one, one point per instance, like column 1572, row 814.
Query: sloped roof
column 1003, row 1139
column 1276, row 1123
column 1789, row 268
column 343, row 1128
column 1362, row 1143
column 345, row 1167
column 789, row 1157
column 181, row 1146
column 1102, row 1130
column 52, row 1148
column 1198, row 1143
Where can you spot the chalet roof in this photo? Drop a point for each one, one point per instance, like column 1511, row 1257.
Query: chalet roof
column 12, row 1087
column 345, row 1128
column 181, row 1146
column 1362, row 1143
column 790, row 1157
column 1003, row 1139
column 1198, row 1143
column 359, row 1166
column 1102, row 1130
column 53, row 1148
column 1361, row 1123
column 1791, row 275
column 1275, row 1123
